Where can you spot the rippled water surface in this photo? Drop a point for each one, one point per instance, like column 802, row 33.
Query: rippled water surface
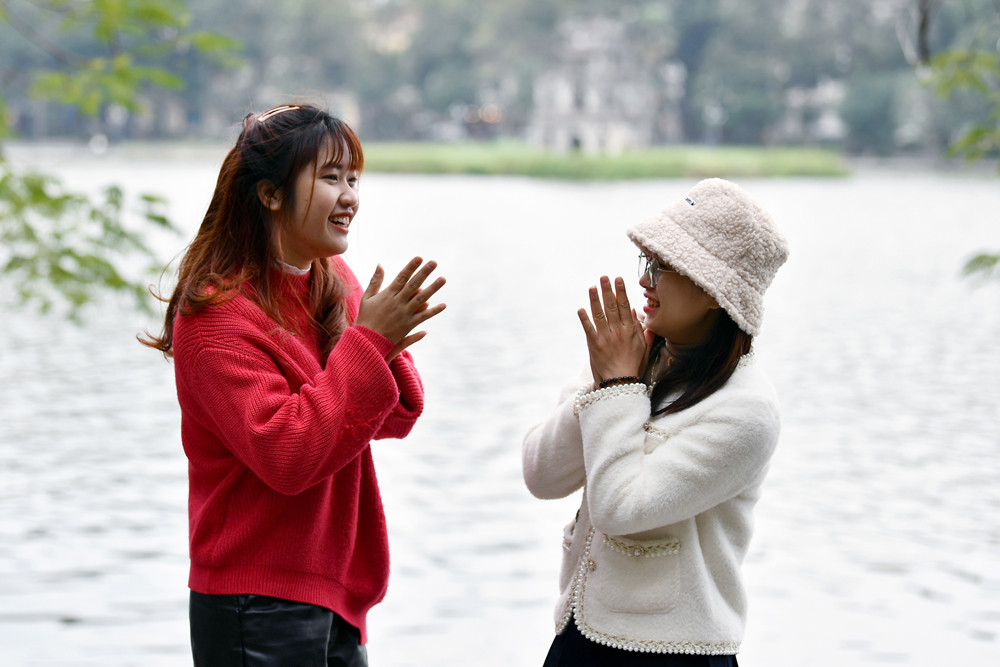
column 878, row 538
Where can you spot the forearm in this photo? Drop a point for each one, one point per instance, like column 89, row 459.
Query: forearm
column 292, row 438
column 642, row 476
column 552, row 454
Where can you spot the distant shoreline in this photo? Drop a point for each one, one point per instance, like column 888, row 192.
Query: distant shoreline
column 514, row 159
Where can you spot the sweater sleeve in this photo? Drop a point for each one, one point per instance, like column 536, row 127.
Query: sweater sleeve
column 410, row 405
column 640, row 477
column 552, row 451
column 290, row 440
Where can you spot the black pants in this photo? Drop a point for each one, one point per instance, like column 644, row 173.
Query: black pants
column 572, row 649
column 261, row 631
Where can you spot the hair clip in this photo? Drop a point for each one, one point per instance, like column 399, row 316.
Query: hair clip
column 270, row 113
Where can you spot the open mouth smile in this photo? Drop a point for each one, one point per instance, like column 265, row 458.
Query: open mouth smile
column 342, row 221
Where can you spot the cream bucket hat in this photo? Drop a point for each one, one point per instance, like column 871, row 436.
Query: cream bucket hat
column 722, row 240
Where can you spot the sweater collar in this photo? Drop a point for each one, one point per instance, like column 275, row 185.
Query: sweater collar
column 291, row 284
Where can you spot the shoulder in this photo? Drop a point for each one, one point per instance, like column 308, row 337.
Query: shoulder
column 749, row 394
column 228, row 324
column 751, row 382
column 746, row 405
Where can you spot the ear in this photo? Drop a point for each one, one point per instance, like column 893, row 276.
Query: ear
column 269, row 196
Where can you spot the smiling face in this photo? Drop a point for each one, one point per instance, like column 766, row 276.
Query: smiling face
column 324, row 203
column 677, row 308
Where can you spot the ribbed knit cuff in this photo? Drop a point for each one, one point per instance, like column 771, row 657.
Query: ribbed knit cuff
column 411, row 391
column 378, row 341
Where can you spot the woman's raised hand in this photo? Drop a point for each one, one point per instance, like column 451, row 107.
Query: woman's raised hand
column 615, row 338
column 395, row 311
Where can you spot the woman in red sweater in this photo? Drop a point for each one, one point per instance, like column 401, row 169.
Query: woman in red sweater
column 286, row 371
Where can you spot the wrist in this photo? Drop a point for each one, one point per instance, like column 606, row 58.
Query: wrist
column 615, row 381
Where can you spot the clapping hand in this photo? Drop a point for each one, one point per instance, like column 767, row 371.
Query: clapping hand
column 615, row 339
column 402, row 306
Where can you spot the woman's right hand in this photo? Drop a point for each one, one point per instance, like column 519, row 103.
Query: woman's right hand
column 395, row 311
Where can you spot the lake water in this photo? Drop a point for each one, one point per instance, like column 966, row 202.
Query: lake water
column 878, row 537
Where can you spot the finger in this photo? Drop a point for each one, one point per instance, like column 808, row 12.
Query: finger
column 649, row 335
column 424, row 295
column 636, row 324
column 407, row 342
column 597, row 310
column 621, row 298
column 418, row 278
column 375, row 283
column 427, row 313
column 610, row 305
column 403, row 277
column 588, row 328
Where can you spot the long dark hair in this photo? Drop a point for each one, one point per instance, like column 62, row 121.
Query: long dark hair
column 701, row 370
column 233, row 249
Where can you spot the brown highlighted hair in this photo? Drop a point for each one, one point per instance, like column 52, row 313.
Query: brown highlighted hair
column 234, row 247
column 701, row 370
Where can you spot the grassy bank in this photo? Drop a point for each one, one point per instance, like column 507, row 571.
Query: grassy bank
column 496, row 158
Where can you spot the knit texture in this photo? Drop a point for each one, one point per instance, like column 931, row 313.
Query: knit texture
column 283, row 495
column 722, row 240
column 651, row 561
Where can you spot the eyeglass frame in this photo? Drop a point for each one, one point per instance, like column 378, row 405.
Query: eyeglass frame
column 651, row 268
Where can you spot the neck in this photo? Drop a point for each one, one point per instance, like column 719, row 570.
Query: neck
column 678, row 350
column 294, row 270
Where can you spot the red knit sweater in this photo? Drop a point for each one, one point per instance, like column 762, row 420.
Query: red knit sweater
column 283, row 496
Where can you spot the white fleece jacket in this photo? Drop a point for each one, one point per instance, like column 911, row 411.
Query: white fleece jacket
column 652, row 559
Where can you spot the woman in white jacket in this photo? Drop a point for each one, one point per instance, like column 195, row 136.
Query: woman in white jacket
column 669, row 436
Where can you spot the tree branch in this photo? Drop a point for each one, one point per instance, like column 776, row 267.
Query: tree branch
column 38, row 39
column 923, row 31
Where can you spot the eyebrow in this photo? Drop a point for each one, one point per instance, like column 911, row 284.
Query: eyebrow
column 343, row 165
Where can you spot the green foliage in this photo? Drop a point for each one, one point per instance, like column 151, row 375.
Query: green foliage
column 977, row 72
column 132, row 39
column 983, row 264
column 61, row 249
column 102, row 81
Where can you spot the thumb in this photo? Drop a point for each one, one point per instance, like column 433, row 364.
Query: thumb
column 375, row 284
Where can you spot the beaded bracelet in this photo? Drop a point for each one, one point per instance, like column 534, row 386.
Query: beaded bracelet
column 625, row 379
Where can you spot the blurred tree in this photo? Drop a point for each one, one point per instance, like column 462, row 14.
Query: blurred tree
column 63, row 248
column 968, row 68
column 869, row 111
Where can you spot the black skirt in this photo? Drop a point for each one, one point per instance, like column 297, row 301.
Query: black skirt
column 572, row 649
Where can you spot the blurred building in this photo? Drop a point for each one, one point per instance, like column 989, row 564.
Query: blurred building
column 812, row 115
column 598, row 98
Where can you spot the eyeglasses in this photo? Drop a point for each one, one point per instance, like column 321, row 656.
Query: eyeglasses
column 651, row 268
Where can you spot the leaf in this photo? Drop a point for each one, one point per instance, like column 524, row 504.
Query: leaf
column 982, row 264
column 211, row 42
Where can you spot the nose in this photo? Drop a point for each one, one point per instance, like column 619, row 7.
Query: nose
column 644, row 280
column 349, row 197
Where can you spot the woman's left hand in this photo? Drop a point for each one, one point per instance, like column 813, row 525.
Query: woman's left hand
column 615, row 338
